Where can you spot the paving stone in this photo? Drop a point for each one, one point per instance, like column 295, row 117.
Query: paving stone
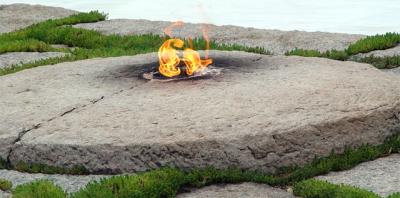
column 244, row 190
column 263, row 112
column 17, row 58
column 381, row 176
column 69, row 183
column 17, row 16
column 395, row 71
column 275, row 41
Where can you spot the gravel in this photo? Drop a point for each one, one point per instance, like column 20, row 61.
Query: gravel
column 17, row 16
column 17, row 58
column 275, row 41
column 381, row 176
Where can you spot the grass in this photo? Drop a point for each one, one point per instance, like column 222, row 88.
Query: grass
column 5, row 185
column 158, row 183
column 332, row 54
column 321, row 189
column 313, row 188
column 88, row 43
column 371, row 43
column 368, row 44
column 39, row 189
column 394, row 195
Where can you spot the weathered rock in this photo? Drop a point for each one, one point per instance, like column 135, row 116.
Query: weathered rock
column 244, row 190
column 16, row 58
column 4, row 194
column 381, row 176
column 32, row 97
column 69, row 183
column 393, row 71
column 17, row 16
column 264, row 112
column 278, row 42
column 395, row 51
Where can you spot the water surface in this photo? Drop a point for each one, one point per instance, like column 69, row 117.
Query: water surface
column 347, row 16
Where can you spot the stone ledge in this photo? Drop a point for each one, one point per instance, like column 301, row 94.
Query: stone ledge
column 265, row 112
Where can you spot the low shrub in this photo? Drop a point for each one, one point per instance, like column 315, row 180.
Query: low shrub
column 158, row 183
column 371, row 43
column 394, row 195
column 39, row 189
column 5, row 185
column 368, row 44
column 387, row 62
column 321, row 189
column 331, row 54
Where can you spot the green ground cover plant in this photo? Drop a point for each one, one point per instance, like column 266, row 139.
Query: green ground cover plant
column 88, row 43
column 39, row 189
column 371, row 43
column 321, row 189
column 387, row 62
column 368, row 44
column 394, row 195
column 5, row 185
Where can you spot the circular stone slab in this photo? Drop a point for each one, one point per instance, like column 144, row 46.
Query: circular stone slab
column 262, row 112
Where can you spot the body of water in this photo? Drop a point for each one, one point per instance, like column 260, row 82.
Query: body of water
column 347, row 16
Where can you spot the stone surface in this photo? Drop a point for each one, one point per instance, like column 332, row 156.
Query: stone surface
column 244, row 190
column 17, row 16
column 4, row 194
column 381, row 176
column 16, row 58
column 264, row 112
column 278, row 42
column 70, row 183
column 393, row 71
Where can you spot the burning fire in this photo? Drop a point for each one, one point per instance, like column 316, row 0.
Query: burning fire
column 169, row 59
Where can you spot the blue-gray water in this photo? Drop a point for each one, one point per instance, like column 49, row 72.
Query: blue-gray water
column 347, row 16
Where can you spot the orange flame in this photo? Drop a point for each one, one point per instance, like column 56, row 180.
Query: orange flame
column 169, row 59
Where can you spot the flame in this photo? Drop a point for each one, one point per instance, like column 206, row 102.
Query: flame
column 169, row 59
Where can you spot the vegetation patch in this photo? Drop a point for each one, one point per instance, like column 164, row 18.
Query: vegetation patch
column 5, row 185
column 394, row 195
column 88, row 43
column 368, row 44
column 157, row 183
column 3, row 163
column 313, row 188
column 321, row 189
column 371, row 43
column 387, row 62
column 39, row 189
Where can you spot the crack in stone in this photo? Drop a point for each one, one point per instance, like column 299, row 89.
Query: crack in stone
column 25, row 131
column 19, row 137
